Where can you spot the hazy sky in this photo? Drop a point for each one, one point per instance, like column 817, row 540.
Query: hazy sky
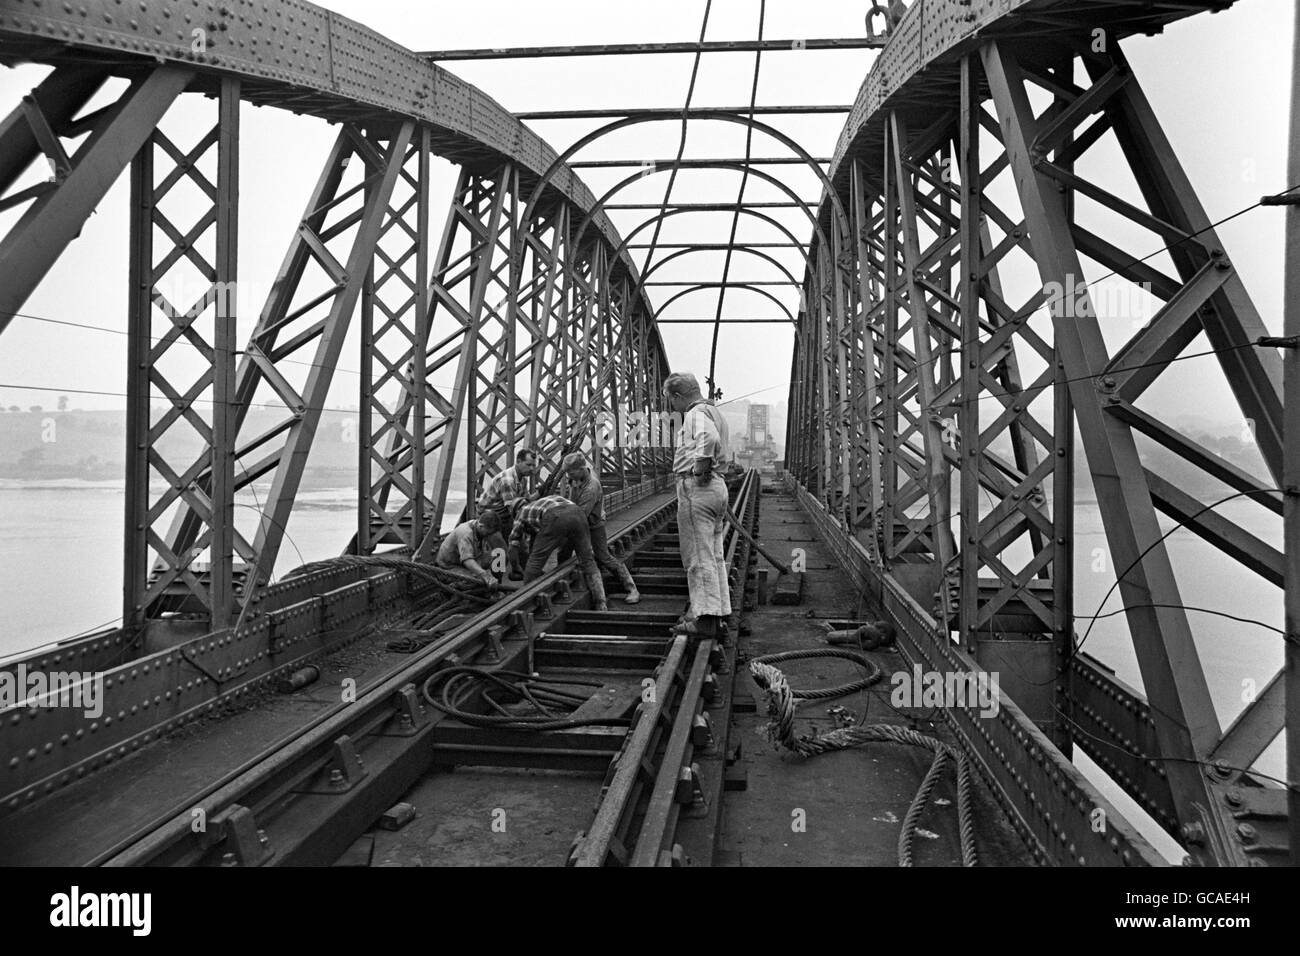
column 1218, row 82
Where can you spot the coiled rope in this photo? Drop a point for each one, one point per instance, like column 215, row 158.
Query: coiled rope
column 781, row 702
column 874, row 674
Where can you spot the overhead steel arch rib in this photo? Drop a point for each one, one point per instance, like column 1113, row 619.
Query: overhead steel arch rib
column 316, row 63
column 426, row 309
column 915, row 373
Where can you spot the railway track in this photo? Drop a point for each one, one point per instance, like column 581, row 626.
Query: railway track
column 308, row 797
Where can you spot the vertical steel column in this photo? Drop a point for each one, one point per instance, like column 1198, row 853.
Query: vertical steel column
column 936, row 467
column 891, row 372
column 477, row 208
column 158, row 286
column 1186, row 724
column 1291, row 474
column 971, row 366
column 225, row 338
column 394, row 354
column 866, row 456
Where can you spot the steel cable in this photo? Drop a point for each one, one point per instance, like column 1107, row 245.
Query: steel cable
column 781, row 710
column 448, row 690
column 874, row 674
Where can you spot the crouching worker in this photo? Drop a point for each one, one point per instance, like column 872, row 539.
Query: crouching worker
column 553, row 523
column 468, row 548
column 584, row 490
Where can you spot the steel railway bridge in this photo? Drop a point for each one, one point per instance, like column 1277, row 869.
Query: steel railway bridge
column 934, row 409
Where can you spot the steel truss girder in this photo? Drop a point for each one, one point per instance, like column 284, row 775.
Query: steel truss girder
column 1186, row 725
column 472, row 258
column 928, row 249
column 59, row 208
column 205, row 405
column 392, row 504
column 304, row 314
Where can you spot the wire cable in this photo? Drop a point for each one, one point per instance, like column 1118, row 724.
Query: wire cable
column 740, row 198
column 681, row 147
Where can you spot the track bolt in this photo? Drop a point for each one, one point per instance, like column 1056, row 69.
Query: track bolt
column 1247, row 833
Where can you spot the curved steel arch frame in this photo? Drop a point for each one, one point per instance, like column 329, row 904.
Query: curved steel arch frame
column 771, row 259
column 953, row 382
column 448, row 368
column 735, row 284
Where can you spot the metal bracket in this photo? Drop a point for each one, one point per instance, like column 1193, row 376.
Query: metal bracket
column 542, row 606
column 344, row 770
column 690, row 790
column 411, row 715
column 246, row 845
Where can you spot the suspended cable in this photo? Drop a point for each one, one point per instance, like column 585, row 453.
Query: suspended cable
column 681, row 147
column 740, row 198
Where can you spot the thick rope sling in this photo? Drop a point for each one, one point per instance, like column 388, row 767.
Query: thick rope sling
column 781, row 702
column 454, row 582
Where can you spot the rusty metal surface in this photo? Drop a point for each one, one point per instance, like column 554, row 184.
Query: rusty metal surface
column 1048, row 801
column 296, row 55
column 149, row 696
column 919, row 62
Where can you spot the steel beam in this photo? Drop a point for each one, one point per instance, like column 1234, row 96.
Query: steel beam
column 198, row 320
column 641, row 49
column 1174, row 679
column 670, row 113
column 56, row 214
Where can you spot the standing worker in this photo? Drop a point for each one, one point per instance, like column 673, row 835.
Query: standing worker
column 503, row 493
column 701, row 503
column 556, row 522
column 584, row 490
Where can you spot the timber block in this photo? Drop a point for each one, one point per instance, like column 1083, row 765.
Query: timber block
column 789, row 589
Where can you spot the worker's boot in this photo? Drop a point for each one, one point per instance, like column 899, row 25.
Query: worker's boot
column 597, row 587
column 629, row 585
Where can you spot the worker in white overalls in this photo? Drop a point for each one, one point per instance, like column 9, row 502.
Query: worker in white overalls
column 701, row 503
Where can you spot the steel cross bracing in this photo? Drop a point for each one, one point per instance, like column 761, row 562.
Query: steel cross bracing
column 463, row 339
column 967, row 387
column 935, row 401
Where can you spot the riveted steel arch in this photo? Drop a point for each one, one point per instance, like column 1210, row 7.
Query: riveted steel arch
column 781, row 267
column 666, row 214
column 438, row 346
column 953, row 384
column 750, row 287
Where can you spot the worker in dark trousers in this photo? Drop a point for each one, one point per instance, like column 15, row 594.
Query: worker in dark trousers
column 552, row 523
column 583, row 488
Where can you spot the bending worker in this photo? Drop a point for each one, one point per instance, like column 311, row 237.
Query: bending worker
column 701, row 503
column 468, row 547
column 584, row 490
column 556, row 522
